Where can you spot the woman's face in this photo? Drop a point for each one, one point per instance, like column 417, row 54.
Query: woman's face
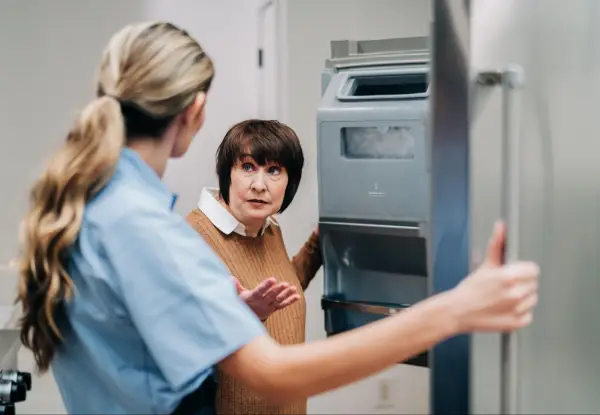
column 256, row 191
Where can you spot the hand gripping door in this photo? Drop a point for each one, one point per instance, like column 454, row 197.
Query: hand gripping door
column 511, row 79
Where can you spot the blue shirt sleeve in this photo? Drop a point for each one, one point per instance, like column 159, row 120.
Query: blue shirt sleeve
column 179, row 295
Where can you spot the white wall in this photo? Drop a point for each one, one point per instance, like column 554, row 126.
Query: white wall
column 311, row 25
column 47, row 73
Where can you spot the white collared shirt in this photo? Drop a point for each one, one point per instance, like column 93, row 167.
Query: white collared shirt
column 220, row 216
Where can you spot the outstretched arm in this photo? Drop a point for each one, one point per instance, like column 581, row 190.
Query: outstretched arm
column 318, row 367
column 493, row 298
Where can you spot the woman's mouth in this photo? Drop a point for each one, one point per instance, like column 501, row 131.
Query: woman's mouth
column 257, row 201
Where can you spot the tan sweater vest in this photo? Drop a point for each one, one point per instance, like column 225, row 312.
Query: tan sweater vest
column 251, row 260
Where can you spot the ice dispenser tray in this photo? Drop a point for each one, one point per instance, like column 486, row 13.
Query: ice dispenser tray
column 372, row 271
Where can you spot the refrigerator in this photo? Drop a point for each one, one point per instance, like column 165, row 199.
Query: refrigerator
column 515, row 134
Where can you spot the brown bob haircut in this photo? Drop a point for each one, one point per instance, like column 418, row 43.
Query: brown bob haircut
column 267, row 141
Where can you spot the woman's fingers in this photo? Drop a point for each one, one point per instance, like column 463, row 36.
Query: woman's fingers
column 282, row 295
column 271, row 296
column 263, row 288
column 288, row 301
column 495, row 250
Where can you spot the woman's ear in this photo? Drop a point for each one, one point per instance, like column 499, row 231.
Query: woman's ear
column 194, row 115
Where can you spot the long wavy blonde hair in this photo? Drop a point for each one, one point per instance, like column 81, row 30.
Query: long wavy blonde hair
column 154, row 67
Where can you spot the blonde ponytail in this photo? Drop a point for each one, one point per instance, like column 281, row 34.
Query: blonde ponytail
column 81, row 168
column 155, row 70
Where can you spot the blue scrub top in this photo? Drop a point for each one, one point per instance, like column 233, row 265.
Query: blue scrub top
column 154, row 308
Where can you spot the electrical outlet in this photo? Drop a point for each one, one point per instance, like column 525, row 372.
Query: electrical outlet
column 385, row 400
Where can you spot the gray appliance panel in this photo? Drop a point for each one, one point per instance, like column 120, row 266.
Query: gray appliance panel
column 373, row 191
column 359, row 180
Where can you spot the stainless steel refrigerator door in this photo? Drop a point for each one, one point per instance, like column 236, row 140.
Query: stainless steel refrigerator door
column 449, row 208
column 557, row 369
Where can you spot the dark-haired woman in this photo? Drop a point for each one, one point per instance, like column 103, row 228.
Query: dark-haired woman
column 259, row 166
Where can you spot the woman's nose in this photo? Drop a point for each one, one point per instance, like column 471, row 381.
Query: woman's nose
column 258, row 184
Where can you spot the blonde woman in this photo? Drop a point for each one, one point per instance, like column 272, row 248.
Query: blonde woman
column 130, row 307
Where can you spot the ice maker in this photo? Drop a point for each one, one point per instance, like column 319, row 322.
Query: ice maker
column 373, row 180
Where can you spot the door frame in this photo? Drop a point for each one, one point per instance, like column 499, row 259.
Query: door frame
column 280, row 8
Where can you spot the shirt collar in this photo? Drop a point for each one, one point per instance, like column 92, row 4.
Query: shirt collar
column 220, row 216
column 131, row 164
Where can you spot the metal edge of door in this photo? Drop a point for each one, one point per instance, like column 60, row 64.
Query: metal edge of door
column 449, row 260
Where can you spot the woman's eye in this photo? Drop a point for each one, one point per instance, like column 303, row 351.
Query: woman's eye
column 274, row 170
column 247, row 167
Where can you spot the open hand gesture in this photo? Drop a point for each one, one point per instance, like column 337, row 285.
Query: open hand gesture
column 268, row 297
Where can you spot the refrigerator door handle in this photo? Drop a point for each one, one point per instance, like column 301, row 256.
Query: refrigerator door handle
column 511, row 79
